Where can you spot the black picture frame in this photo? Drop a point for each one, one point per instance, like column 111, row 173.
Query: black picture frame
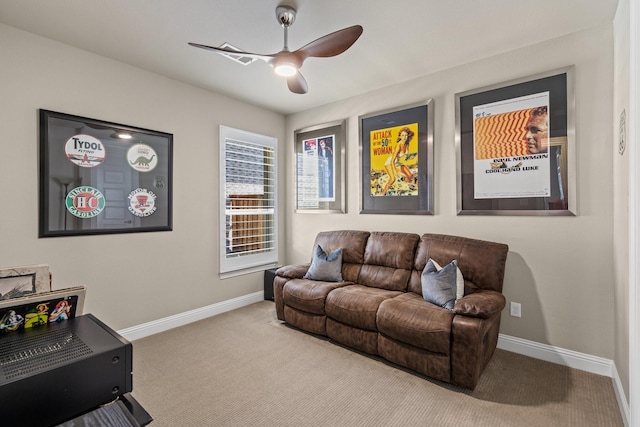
column 320, row 168
column 503, row 168
column 404, row 184
column 98, row 177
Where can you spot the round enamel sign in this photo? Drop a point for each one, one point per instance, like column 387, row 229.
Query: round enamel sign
column 85, row 151
column 85, row 202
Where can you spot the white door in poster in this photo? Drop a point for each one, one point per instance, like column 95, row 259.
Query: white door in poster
column 511, row 148
column 116, row 179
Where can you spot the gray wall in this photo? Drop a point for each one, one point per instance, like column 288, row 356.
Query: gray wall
column 559, row 268
column 131, row 278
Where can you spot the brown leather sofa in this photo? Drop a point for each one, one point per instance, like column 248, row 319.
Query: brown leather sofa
column 379, row 309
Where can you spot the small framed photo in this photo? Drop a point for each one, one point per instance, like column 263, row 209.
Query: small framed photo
column 98, row 177
column 320, row 168
column 25, row 280
column 397, row 160
column 516, row 148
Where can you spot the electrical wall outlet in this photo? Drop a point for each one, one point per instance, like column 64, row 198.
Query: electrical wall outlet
column 515, row 309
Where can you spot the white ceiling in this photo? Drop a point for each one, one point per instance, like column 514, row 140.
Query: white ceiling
column 402, row 39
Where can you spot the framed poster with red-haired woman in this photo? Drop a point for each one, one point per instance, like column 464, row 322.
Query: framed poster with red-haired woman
column 397, row 160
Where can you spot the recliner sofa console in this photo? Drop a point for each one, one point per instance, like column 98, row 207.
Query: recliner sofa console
column 378, row 306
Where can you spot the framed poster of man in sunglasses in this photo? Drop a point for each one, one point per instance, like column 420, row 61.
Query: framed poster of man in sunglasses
column 516, row 147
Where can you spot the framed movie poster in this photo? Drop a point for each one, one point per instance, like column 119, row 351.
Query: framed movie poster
column 516, row 147
column 320, row 163
column 397, row 160
column 39, row 309
column 99, row 177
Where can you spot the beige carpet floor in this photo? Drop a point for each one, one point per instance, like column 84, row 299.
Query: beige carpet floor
column 246, row 368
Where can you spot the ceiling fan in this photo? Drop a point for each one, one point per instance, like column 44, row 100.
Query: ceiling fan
column 287, row 63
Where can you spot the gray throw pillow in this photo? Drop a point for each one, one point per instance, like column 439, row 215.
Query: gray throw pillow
column 459, row 282
column 325, row 267
column 439, row 286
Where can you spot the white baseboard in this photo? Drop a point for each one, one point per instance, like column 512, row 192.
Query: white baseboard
column 572, row 359
column 164, row 324
column 561, row 356
column 623, row 404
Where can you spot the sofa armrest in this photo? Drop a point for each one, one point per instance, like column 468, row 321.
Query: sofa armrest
column 481, row 304
column 293, row 271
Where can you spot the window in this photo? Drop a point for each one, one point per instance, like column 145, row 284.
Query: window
column 248, row 215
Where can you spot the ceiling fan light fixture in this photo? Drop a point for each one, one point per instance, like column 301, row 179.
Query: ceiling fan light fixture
column 285, row 69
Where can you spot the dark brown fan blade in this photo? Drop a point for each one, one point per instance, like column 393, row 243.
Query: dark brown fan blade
column 297, row 83
column 222, row 51
column 330, row 45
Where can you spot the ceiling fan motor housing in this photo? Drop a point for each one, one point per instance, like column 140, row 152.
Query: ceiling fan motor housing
column 286, row 15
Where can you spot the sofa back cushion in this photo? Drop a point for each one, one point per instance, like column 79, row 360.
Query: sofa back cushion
column 388, row 260
column 352, row 243
column 481, row 262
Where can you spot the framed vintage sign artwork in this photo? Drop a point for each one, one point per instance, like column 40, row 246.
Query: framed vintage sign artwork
column 99, row 177
column 320, row 173
column 516, row 147
column 397, row 160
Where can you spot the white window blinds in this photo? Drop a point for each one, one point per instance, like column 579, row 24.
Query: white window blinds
column 248, row 200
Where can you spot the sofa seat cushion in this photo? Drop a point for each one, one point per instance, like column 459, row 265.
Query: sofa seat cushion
column 410, row 319
column 357, row 305
column 308, row 295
